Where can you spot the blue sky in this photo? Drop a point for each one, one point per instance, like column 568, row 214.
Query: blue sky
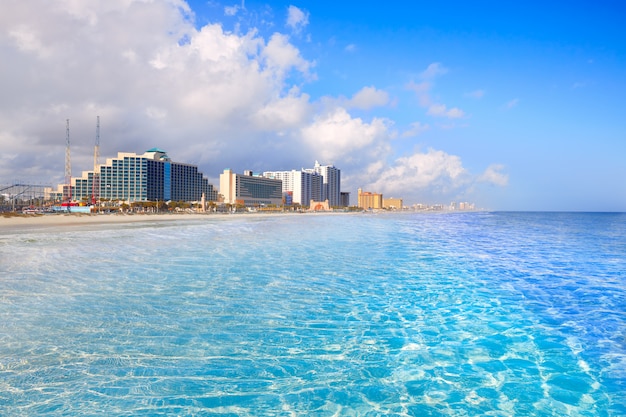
column 512, row 106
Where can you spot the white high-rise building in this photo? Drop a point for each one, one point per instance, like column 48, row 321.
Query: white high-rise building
column 323, row 182
column 304, row 186
column 331, row 183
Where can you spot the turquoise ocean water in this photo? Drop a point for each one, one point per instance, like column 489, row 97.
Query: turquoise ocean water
column 464, row 314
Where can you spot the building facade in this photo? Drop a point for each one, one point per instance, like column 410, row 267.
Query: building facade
column 368, row 200
column 151, row 176
column 331, row 183
column 304, row 186
column 392, row 203
column 345, row 199
column 250, row 190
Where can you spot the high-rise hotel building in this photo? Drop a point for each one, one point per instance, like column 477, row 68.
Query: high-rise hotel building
column 303, row 186
column 331, row 183
column 151, row 176
column 321, row 183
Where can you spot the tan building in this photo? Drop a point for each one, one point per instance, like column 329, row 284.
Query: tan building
column 368, row 200
column 250, row 190
column 392, row 203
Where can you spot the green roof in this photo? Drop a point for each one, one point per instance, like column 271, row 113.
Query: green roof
column 156, row 150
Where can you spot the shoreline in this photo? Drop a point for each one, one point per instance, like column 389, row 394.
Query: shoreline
column 11, row 223
column 23, row 222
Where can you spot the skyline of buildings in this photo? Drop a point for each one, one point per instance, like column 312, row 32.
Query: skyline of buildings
column 153, row 176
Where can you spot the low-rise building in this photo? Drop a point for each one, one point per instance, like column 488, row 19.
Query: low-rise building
column 392, row 203
column 250, row 190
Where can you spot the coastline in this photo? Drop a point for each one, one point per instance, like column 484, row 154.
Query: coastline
column 24, row 222
column 12, row 223
column 28, row 222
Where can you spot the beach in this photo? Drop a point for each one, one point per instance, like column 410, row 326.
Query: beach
column 18, row 222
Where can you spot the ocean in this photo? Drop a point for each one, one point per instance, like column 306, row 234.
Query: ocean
column 411, row 314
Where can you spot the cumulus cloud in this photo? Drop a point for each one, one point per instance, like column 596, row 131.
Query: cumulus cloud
column 282, row 56
column 422, row 170
column 340, row 136
column 208, row 96
column 297, row 18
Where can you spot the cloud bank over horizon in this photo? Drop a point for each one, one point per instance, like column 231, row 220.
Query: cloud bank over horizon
column 209, row 96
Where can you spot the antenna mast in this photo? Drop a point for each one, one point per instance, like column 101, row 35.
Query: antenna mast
column 68, row 163
column 95, row 190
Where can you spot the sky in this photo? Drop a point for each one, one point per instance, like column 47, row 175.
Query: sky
column 507, row 105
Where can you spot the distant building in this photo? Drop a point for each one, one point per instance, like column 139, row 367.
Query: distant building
column 345, row 199
column 319, row 206
column 392, row 203
column 368, row 200
column 130, row 177
column 250, row 190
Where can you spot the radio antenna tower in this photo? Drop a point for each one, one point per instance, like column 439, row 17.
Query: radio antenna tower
column 95, row 190
column 68, row 163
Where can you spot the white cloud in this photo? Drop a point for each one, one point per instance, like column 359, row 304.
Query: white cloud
column 420, row 171
column 231, row 10
column 350, row 48
column 282, row 56
column 369, row 97
column 209, row 97
column 494, row 175
column 234, row 9
column 297, row 18
column 338, row 136
column 433, row 70
column 440, row 110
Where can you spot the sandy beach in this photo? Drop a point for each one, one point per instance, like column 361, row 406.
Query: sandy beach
column 14, row 223
column 27, row 222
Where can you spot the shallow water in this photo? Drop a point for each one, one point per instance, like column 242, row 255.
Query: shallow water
column 411, row 314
